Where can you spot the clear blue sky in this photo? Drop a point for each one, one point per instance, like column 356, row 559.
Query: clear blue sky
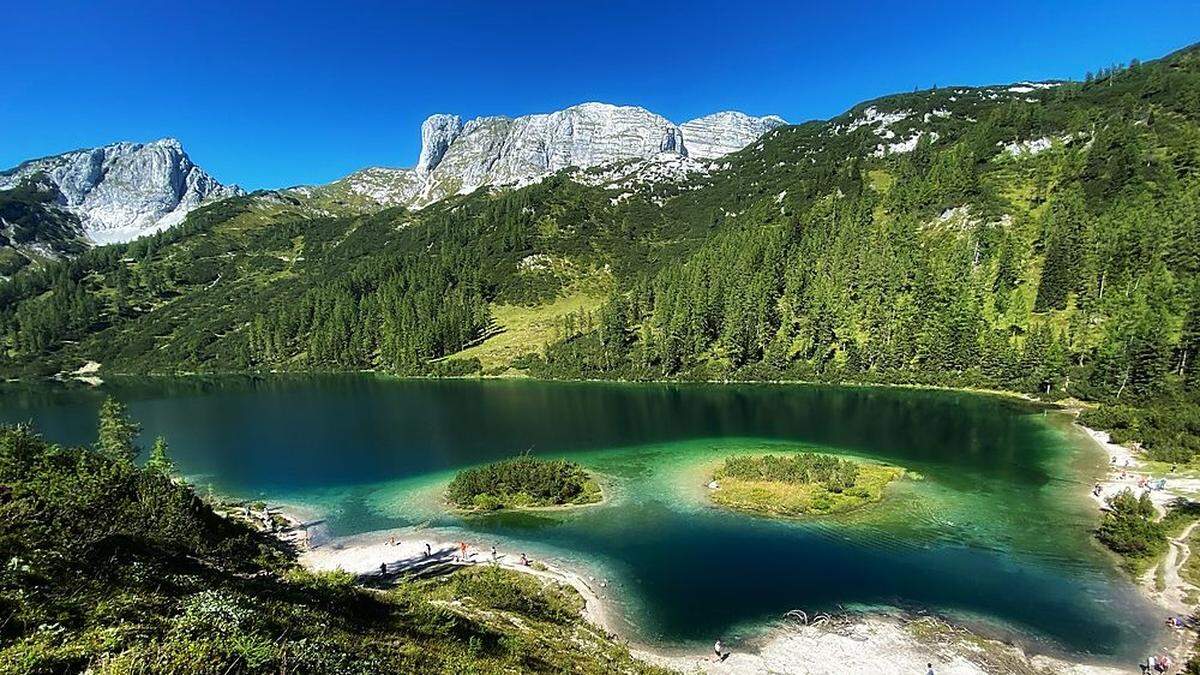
column 269, row 95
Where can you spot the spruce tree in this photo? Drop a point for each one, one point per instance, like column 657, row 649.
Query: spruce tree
column 117, row 432
column 159, row 462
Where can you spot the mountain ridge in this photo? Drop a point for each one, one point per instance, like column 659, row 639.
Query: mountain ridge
column 159, row 184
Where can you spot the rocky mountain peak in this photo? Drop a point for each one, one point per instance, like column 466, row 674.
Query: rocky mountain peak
column 460, row 156
column 124, row 190
column 437, row 133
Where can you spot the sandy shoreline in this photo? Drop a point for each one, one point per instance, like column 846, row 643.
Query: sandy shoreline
column 415, row 551
column 880, row 642
column 859, row 643
column 1161, row 584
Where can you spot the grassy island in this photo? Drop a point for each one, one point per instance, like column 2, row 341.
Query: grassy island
column 803, row 484
column 523, row 482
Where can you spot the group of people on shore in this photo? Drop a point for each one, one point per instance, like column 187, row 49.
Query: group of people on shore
column 1156, row 664
column 1144, row 482
column 464, row 554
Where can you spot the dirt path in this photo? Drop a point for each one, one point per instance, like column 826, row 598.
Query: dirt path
column 1125, row 472
column 1175, row 588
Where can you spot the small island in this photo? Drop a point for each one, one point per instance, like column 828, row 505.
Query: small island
column 521, row 483
column 803, row 484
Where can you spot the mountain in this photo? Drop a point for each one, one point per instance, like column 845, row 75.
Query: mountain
column 719, row 134
column 124, row 190
column 499, row 150
column 1036, row 237
column 458, row 157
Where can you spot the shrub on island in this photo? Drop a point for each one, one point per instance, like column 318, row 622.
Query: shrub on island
column 799, row 485
column 522, row 482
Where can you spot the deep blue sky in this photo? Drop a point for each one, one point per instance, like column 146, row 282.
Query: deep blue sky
column 268, row 95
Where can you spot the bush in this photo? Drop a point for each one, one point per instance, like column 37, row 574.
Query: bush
column 522, row 481
column 495, row 588
column 836, row 475
column 1130, row 528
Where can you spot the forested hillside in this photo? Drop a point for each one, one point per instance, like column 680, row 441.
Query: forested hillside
column 34, row 228
column 1037, row 237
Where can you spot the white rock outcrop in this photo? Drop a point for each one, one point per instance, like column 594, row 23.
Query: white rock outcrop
column 125, row 190
column 458, row 158
column 500, row 150
column 437, row 133
column 721, row 133
column 385, row 186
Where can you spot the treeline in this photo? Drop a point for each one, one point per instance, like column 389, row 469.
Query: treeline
column 395, row 315
column 806, row 468
column 58, row 302
column 1069, row 273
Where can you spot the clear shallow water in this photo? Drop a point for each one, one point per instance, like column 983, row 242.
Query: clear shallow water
column 996, row 529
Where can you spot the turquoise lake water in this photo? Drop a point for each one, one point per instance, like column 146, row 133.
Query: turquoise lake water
column 996, row 530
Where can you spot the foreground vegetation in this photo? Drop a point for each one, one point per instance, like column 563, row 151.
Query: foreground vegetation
column 803, row 484
column 109, row 567
column 523, row 482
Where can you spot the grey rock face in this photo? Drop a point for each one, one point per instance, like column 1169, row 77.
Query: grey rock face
column 500, row 150
column 458, row 158
column 384, row 186
column 721, row 133
column 437, row 133
column 125, row 190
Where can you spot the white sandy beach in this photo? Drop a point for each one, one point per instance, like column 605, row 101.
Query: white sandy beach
column 363, row 554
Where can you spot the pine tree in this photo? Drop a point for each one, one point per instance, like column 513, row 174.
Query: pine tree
column 1189, row 344
column 159, row 462
column 1063, row 248
column 117, row 432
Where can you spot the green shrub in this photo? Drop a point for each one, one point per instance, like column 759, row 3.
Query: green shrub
column 522, row 481
column 1129, row 526
column 836, row 475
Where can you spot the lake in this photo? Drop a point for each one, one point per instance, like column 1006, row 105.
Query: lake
column 993, row 529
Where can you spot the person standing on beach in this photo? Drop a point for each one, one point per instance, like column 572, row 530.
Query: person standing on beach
column 718, row 648
column 493, row 553
column 929, row 669
column 428, row 550
column 462, row 551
